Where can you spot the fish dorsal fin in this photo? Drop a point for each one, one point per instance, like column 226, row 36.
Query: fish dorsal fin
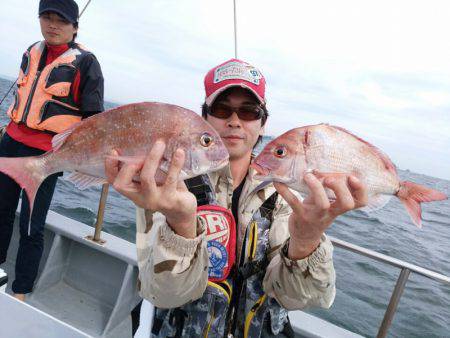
column 384, row 158
column 83, row 181
column 59, row 139
column 376, row 202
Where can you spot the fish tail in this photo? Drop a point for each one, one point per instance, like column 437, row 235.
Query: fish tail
column 412, row 194
column 28, row 172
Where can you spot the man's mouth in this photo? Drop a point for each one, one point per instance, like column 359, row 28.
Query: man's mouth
column 233, row 137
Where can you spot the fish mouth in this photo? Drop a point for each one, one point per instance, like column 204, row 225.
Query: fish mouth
column 221, row 163
column 260, row 170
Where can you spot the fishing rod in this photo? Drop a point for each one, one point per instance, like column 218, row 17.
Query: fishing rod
column 84, row 8
column 79, row 16
column 235, row 30
column 4, row 97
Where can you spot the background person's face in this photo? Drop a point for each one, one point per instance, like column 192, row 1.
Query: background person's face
column 55, row 29
column 239, row 136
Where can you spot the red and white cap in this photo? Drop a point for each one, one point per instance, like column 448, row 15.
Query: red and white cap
column 234, row 73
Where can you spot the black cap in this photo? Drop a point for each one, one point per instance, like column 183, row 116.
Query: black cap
column 68, row 9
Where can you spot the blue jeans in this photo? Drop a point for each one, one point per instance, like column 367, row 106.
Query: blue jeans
column 30, row 247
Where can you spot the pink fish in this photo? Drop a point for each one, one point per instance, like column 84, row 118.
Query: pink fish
column 329, row 151
column 131, row 130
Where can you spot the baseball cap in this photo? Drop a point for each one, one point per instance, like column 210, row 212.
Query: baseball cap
column 68, row 9
column 234, row 73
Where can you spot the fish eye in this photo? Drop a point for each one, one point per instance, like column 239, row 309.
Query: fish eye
column 280, row 152
column 206, row 140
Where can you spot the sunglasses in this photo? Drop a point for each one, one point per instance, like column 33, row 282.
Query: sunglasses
column 246, row 112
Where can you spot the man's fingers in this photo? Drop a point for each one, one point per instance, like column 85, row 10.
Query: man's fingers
column 151, row 165
column 317, row 192
column 175, row 168
column 359, row 191
column 181, row 186
column 111, row 166
column 344, row 199
column 124, row 179
column 289, row 197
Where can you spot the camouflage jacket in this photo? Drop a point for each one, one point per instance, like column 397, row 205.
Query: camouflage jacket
column 173, row 270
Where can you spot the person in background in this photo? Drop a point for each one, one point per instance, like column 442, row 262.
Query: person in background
column 283, row 258
column 60, row 82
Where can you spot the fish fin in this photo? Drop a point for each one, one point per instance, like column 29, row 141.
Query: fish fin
column 28, row 174
column 83, row 181
column 128, row 159
column 376, row 202
column 59, row 139
column 412, row 194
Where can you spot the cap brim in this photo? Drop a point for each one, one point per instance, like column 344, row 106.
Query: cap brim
column 210, row 99
column 59, row 12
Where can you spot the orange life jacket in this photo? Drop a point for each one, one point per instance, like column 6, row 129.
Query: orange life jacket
column 43, row 99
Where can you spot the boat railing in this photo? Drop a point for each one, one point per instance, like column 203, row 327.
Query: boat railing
column 405, row 271
column 405, row 268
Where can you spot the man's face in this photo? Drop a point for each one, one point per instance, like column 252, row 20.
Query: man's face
column 55, row 29
column 239, row 136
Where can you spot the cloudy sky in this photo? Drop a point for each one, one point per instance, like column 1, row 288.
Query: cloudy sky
column 378, row 68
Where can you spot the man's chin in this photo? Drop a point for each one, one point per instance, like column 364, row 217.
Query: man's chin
column 236, row 154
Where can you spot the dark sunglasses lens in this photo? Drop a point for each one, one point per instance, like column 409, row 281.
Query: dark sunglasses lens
column 221, row 111
column 250, row 113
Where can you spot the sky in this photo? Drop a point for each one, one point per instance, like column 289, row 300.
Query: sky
column 380, row 69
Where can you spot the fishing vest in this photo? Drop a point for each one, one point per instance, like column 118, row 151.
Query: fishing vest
column 211, row 315
column 43, row 99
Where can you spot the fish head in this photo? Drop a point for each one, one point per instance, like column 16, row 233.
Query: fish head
column 282, row 159
column 204, row 149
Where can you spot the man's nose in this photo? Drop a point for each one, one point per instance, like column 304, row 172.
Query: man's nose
column 234, row 121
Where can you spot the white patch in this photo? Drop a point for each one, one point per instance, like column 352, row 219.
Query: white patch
column 237, row 70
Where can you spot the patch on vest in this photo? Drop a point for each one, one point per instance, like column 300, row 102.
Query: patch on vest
column 221, row 240
column 217, row 259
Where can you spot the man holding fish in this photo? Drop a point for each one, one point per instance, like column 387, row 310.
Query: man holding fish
column 283, row 258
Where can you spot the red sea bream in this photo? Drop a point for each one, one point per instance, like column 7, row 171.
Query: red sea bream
column 328, row 150
column 131, row 130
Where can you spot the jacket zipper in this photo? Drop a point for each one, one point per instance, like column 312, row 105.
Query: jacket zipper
column 30, row 98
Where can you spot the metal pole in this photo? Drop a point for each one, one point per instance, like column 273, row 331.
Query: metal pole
column 100, row 214
column 393, row 303
column 235, row 30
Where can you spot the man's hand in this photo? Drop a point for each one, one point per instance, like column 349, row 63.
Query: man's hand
column 172, row 198
column 316, row 213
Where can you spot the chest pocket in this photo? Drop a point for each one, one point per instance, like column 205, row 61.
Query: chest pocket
column 60, row 79
column 257, row 253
